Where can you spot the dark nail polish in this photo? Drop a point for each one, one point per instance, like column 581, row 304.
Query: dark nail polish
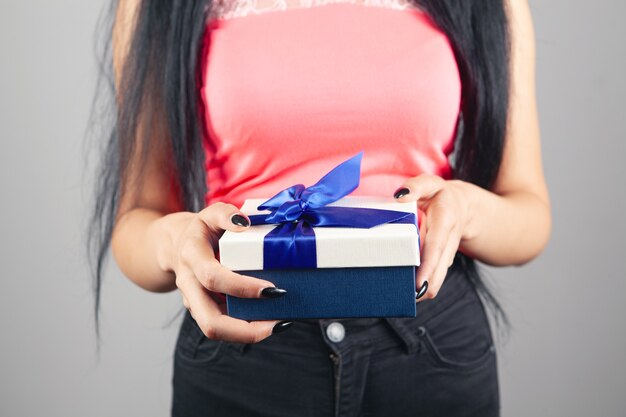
column 422, row 290
column 281, row 326
column 401, row 192
column 239, row 220
column 273, row 292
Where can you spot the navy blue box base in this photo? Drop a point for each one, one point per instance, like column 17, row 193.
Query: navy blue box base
column 331, row 293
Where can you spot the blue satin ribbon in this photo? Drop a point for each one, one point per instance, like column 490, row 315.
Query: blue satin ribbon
column 298, row 209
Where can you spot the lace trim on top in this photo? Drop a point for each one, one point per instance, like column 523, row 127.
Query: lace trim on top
column 226, row 9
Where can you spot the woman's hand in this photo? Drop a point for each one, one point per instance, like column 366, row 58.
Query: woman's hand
column 444, row 208
column 190, row 254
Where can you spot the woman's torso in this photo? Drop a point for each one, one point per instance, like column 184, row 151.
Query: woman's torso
column 291, row 90
column 287, row 95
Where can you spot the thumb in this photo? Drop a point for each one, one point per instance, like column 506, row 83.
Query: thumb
column 225, row 217
column 423, row 186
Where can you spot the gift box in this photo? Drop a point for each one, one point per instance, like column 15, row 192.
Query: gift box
column 337, row 256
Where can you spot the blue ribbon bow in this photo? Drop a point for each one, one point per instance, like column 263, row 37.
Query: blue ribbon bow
column 298, row 209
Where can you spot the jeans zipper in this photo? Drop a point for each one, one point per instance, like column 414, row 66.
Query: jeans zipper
column 335, row 360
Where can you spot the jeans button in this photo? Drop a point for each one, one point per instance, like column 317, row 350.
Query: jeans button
column 335, row 332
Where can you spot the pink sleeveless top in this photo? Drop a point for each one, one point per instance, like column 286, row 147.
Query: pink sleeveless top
column 289, row 94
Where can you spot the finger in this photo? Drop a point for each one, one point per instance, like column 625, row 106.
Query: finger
column 229, row 328
column 225, row 216
column 185, row 301
column 213, row 276
column 439, row 275
column 421, row 187
column 439, row 226
column 197, row 302
column 212, row 320
column 452, row 256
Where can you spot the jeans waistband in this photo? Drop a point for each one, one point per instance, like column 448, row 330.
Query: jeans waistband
column 311, row 332
column 455, row 287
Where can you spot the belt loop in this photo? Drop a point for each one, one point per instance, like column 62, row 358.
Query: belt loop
column 410, row 339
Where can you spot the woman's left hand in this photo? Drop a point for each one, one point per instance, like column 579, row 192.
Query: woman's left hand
column 444, row 213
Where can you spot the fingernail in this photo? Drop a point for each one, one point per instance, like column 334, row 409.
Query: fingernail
column 240, row 220
column 281, row 326
column 401, row 192
column 273, row 292
column 422, row 290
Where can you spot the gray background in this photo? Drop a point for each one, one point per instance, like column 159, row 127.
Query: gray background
column 565, row 355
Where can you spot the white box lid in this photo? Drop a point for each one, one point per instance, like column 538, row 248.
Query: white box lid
column 337, row 247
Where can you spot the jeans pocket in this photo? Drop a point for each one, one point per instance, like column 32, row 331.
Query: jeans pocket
column 459, row 355
column 193, row 347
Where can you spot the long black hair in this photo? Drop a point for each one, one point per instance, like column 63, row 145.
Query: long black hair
column 160, row 78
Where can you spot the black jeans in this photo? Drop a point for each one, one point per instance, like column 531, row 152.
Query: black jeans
column 441, row 363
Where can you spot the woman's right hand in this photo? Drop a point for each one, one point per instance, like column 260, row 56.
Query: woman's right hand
column 193, row 243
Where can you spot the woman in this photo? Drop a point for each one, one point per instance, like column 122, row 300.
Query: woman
column 221, row 102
